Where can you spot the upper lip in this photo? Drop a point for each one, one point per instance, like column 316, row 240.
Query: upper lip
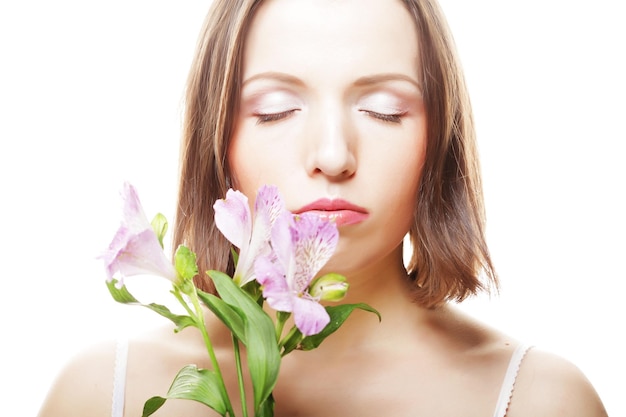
column 326, row 204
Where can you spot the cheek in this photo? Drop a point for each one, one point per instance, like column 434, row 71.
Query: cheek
column 255, row 162
column 403, row 172
column 246, row 171
column 399, row 164
column 240, row 164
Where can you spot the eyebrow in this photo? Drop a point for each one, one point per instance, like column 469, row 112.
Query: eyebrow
column 361, row 82
column 276, row 76
column 392, row 76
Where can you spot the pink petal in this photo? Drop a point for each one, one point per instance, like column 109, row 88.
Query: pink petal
column 283, row 242
column 268, row 205
column 139, row 254
column 233, row 219
column 135, row 248
column 272, row 280
column 310, row 316
column 133, row 216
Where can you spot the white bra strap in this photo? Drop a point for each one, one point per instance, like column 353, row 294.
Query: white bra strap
column 508, row 385
column 119, row 378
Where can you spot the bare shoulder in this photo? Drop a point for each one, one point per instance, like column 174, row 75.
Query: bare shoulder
column 154, row 359
column 84, row 386
column 549, row 385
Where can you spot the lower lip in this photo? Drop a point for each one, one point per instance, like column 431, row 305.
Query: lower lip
column 341, row 217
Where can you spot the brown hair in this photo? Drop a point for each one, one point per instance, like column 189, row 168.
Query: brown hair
column 447, row 234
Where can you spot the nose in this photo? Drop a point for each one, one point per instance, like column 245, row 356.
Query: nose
column 333, row 152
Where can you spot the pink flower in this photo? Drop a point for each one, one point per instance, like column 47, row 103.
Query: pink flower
column 135, row 248
column 250, row 236
column 302, row 244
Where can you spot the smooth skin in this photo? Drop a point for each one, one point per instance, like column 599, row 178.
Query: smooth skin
column 331, row 107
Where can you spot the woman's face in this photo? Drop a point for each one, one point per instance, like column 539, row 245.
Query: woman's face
column 332, row 113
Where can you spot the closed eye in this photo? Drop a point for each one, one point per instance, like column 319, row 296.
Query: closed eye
column 273, row 117
column 386, row 117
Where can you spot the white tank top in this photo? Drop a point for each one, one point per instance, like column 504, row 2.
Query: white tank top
column 504, row 399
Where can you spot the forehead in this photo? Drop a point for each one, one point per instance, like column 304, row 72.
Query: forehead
column 333, row 37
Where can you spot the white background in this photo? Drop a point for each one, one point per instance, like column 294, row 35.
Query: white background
column 90, row 96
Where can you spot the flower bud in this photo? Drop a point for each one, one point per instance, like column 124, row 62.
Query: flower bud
column 329, row 287
column 159, row 225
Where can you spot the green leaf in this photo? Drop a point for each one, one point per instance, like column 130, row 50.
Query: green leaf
column 262, row 349
column 152, row 405
column 235, row 255
column 263, row 357
column 292, row 340
column 191, row 383
column 122, row 295
column 338, row 314
column 229, row 315
column 253, row 288
column 159, row 225
column 180, row 321
column 266, row 409
column 185, row 263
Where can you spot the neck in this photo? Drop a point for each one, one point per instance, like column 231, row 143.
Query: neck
column 381, row 285
column 385, row 287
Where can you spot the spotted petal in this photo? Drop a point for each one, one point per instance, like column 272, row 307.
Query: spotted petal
column 315, row 242
column 301, row 246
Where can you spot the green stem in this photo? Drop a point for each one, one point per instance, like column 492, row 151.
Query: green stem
column 199, row 317
column 179, row 297
column 288, row 336
column 242, row 391
column 281, row 319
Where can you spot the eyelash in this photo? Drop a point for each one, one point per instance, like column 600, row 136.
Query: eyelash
column 273, row 117
column 387, row 118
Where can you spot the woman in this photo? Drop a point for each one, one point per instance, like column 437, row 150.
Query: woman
column 356, row 110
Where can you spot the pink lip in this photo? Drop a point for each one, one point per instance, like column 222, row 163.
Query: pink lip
column 341, row 211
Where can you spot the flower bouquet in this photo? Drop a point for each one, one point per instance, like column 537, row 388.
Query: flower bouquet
column 276, row 262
